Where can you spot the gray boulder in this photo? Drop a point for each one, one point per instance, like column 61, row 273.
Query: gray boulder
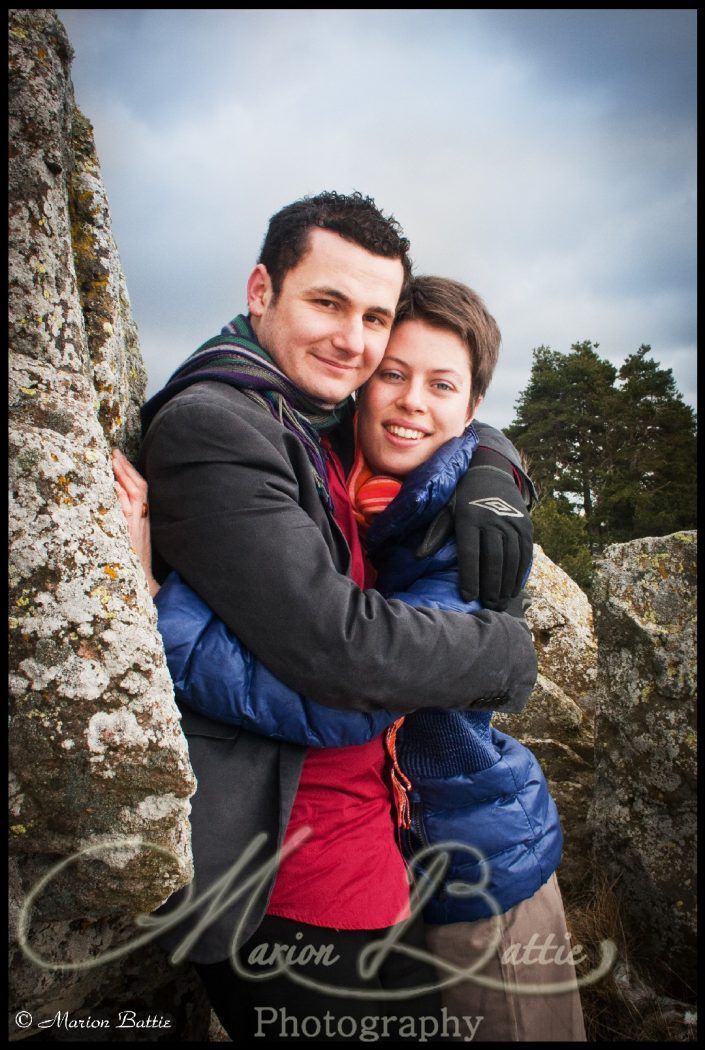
column 99, row 763
column 557, row 723
column 643, row 813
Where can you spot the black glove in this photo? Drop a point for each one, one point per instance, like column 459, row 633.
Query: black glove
column 517, row 606
column 494, row 534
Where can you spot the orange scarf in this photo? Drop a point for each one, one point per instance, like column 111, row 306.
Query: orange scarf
column 370, row 494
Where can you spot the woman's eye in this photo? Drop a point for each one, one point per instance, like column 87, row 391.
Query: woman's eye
column 394, row 376
column 444, row 387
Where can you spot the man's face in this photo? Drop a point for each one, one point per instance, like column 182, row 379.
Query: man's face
column 328, row 327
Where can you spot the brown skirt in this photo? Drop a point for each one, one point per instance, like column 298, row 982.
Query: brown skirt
column 508, row 1015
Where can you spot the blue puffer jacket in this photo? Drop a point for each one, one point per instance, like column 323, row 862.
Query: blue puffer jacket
column 218, row 677
column 471, row 783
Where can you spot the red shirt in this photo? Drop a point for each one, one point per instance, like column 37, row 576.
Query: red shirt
column 349, row 874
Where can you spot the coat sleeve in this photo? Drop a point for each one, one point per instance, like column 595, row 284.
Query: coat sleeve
column 234, row 512
column 494, row 441
column 218, row 677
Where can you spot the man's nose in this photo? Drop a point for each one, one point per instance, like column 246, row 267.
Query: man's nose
column 350, row 335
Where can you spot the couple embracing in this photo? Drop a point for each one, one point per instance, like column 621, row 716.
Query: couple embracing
column 338, row 582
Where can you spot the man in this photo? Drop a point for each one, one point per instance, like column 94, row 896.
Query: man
column 244, row 453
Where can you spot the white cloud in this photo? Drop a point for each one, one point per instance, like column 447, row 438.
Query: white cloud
column 540, row 168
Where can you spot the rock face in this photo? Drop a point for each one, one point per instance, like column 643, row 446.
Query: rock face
column 644, row 804
column 96, row 749
column 557, row 723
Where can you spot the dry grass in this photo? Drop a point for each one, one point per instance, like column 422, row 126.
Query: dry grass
column 625, row 1005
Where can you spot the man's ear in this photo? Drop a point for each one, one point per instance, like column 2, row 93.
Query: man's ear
column 259, row 290
column 472, row 410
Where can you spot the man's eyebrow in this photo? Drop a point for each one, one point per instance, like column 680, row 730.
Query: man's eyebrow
column 335, row 293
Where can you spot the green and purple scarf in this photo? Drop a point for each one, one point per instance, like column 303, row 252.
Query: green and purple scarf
column 236, row 357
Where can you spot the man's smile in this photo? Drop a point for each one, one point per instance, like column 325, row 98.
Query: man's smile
column 338, row 366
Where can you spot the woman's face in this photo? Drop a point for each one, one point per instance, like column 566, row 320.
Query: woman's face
column 418, row 398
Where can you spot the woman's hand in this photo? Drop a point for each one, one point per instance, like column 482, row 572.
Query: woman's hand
column 131, row 490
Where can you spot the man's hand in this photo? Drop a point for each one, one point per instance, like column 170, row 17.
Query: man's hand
column 494, row 535
column 493, row 532
column 131, row 489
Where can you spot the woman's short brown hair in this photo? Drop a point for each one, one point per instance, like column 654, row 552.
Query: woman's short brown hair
column 445, row 303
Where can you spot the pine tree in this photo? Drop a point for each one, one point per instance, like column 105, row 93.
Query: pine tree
column 616, row 447
column 650, row 489
column 562, row 423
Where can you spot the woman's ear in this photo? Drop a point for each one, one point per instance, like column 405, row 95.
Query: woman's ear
column 472, row 409
column 259, row 290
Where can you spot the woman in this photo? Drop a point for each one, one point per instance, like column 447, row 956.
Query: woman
column 454, row 777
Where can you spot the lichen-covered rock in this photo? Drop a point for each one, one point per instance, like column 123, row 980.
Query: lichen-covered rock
column 95, row 744
column 119, row 377
column 557, row 723
column 644, row 804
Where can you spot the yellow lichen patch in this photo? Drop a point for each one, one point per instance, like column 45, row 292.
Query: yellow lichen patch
column 64, row 483
column 22, row 601
column 111, row 571
column 28, row 391
column 104, row 598
column 18, row 829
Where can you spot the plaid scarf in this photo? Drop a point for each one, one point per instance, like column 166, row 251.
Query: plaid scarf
column 236, row 357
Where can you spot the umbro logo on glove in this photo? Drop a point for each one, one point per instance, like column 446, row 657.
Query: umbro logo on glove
column 498, row 505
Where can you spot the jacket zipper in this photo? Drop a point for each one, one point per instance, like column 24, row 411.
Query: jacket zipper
column 417, row 825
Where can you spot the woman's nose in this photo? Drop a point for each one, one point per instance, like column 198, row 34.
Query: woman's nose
column 412, row 398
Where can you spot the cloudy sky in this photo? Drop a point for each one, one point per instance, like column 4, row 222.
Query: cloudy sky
column 546, row 158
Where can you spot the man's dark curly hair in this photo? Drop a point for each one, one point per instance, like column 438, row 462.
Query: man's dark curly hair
column 352, row 216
